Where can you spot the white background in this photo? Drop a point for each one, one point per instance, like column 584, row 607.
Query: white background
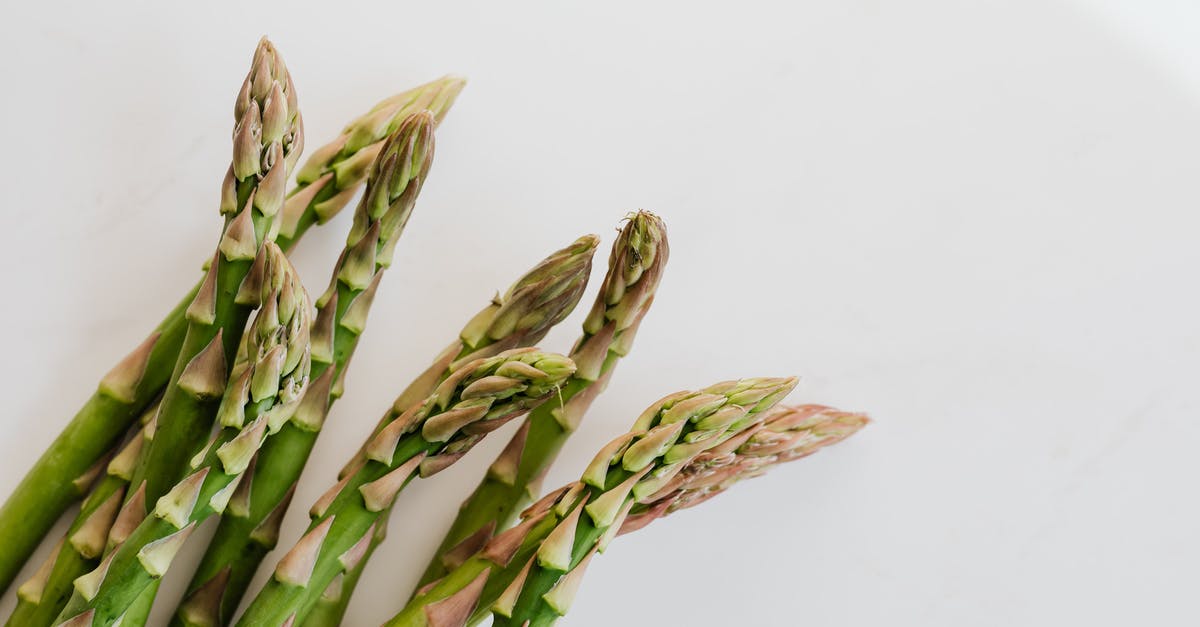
column 974, row 220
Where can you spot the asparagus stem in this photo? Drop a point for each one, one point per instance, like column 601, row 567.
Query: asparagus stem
column 40, row 599
column 499, row 567
column 247, row 532
column 330, row 608
column 530, row 573
column 266, row 385
column 536, row 302
column 634, row 269
column 330, row 178
column 54, row 481
column 421, row 440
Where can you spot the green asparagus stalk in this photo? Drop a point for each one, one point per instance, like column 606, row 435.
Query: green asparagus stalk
column 536, row 302
column 40, row 598
column 250, row 526
column 425, row 438
column 494, row 577
column 634, row 268
column 62, row 474
column 265, row 387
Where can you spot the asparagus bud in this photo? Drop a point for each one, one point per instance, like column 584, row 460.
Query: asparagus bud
column 534, row 304
column 327, row 182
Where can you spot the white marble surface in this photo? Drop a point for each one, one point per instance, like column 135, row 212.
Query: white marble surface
column 975, row 220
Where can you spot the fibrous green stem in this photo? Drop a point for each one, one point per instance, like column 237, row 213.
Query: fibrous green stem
column 40, row 599
column 268, row 381
column 330, row 608
column 60, row 476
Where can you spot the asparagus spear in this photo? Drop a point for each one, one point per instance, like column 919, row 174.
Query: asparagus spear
column 61, row 475
column 266, row 142
column 546, row 591
column 537, row 301
column 265, row 387
column 634, row 269
column 497, row 575
column 250, row 526
column 425, row 438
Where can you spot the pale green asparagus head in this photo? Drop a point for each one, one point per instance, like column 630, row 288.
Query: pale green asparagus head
column 787, row 433
column 474, row 400
column 493, row 390
column 385, row 117
column 335, row 169
column 268, row 136
column 634, row 269
column 272, row 368
column 393, row 185
column 534, row 304
column 793, row 432
column 671, row 433
column 392, row 189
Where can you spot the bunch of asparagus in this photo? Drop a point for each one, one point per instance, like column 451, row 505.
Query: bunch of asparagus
column 215, row 414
